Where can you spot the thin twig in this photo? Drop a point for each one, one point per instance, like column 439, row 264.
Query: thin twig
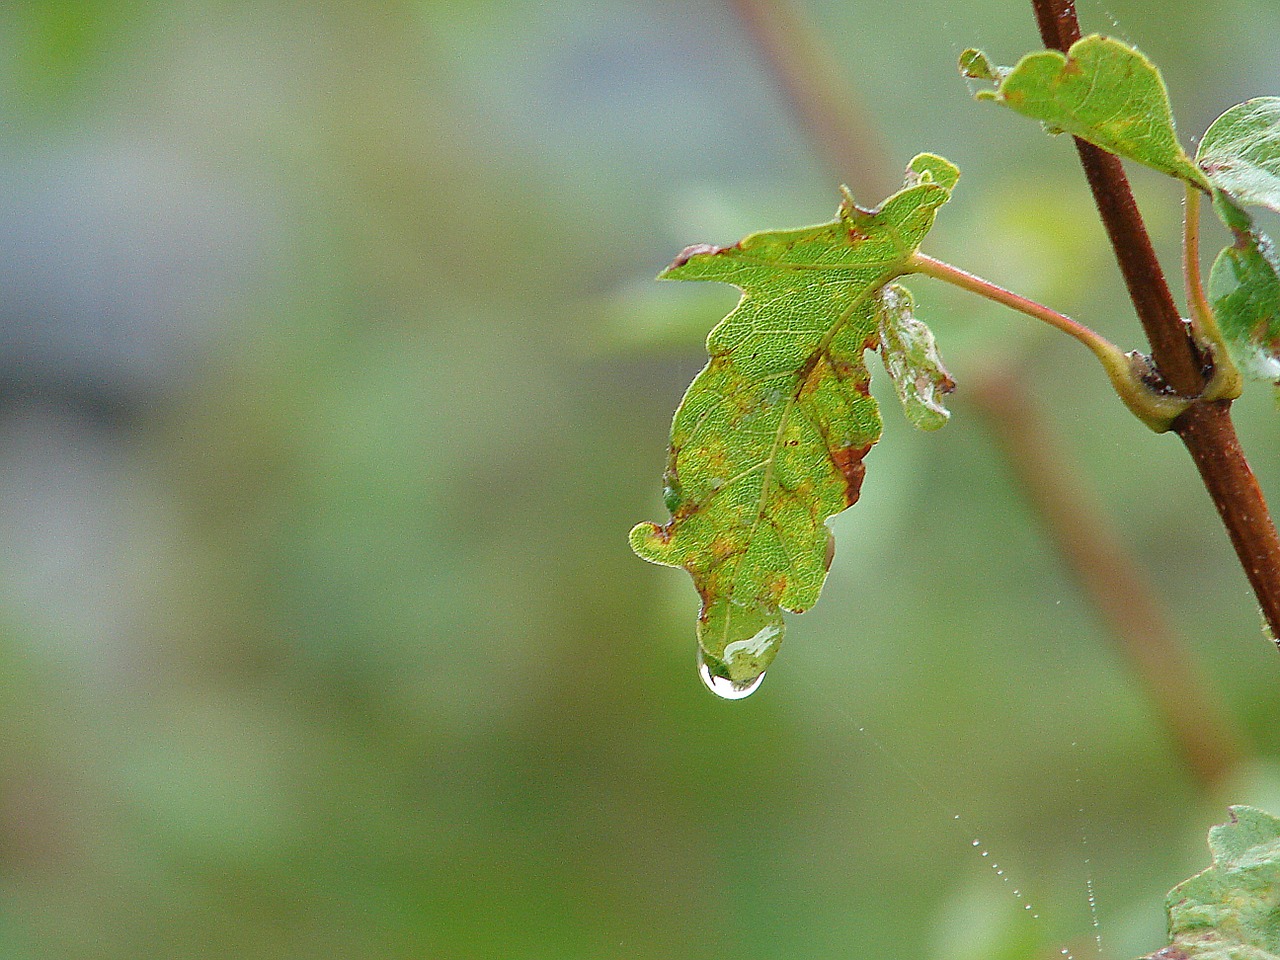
column 1096, row 342
column 1157, row 410
column 1110, row 577
column 1206, row 428
column 1197, row 301
column 1226, row 382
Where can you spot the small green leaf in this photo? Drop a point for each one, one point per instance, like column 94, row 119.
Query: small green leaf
column 1240, row 153
column 1102, row 91
column 931, row 168
column 1229, row 912
column 1244, row 288
column 911, row 359
column 769, row 439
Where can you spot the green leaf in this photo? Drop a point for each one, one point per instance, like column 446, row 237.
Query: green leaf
column 975, row 65
column 1244, row 288
column 769, row 439
column 1102, row 91
column 1230, row 911
column 911, row 359
column 1240, row 153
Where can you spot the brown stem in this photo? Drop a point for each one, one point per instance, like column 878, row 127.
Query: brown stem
column 1206, row 428
column 819, row 96
column 1110, row 578
column 1210, row 437
column 1171, row 347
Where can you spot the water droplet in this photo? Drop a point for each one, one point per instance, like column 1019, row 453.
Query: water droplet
column 724, row 687
column 736, row 644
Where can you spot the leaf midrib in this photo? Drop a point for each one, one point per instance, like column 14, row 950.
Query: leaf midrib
column 822, row 347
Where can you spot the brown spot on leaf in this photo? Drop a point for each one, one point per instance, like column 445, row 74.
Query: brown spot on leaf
column 722, row 548
column 848, row 461
column 662, row 533
column 807, row 367
column 694, row 250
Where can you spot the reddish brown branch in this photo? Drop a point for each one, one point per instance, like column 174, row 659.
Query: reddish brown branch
column 1170, row 345
column 1206, row 428
column 1209, row 435
column 1110, row 578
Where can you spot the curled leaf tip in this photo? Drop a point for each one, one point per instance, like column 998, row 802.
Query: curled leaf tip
column 691, row 251
column 975, row 65
column 931, row 168
column 911, row 359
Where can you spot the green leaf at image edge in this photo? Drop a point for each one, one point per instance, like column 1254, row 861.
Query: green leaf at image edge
column 1244, row 289
column 1240, row 153
column 769, row 439
column 1102, row 91
column 1229, row 912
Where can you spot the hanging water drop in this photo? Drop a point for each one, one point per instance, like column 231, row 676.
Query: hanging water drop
column 724, row 687
column 736, row 644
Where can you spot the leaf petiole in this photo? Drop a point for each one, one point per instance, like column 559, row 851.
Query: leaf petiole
column 1226, row 382
column 1131, row 375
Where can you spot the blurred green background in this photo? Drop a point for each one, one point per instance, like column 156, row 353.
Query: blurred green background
column 331, row 379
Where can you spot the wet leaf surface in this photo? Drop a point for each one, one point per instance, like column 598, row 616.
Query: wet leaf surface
column 1240, row 154
column 1231, row 911
column 769, row 440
